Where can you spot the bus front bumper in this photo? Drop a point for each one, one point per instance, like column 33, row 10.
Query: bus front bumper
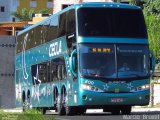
column 96, row 98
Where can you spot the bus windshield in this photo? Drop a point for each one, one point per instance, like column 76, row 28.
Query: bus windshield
column 113, row 61
column 111, row 22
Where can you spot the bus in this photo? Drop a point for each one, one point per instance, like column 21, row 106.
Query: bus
column 87, row 56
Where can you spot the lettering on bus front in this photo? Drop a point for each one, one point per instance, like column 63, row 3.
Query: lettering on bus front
column 55, row 48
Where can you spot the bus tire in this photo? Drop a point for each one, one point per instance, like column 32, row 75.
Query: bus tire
column 60, row 108
column 24, row 101
column 55, row 100
column 28, row 104
column 69, row 110
column 81, row 111
column 126, row 110
column 44, row 110
column 115, row 112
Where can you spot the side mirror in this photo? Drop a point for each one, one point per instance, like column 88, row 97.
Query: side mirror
column 72, row 62
column 152, row 62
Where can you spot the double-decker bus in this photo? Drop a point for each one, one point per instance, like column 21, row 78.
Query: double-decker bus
column 89, row 55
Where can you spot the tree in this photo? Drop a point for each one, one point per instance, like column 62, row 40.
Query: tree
column 152, row 18
column 152, row 7
column 44, row 11
column 26, row 15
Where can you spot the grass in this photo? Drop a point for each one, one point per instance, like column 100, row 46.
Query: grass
column 28, row 115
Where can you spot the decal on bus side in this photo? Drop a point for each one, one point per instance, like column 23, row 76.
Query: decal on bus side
column 25, row 74
column 55, row 48
column 89, row 82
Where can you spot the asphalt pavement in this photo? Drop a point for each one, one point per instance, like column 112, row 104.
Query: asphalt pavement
column 138, row 113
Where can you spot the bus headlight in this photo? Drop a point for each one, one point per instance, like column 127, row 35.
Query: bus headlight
column 90, row 88
column 144, row 87
column 141, row 88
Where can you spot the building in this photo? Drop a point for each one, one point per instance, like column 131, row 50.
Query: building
column 6, row 8
column 37, row 5
column 7, row 83
column 8, row 31
column 61, row 4
column 11, row 28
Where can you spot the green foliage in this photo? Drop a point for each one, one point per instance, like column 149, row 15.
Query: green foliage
column 32, row 114
column 26, row 15
column 132, row 2
column 152, row 7
column 44, row 11
column 152, row 18
column 153, row 26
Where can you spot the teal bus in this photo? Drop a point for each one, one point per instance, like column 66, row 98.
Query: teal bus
column 87, row 56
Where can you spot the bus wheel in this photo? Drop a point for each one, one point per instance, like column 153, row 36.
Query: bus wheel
column 115, row 112
column 24, row 102
column 24, row 106
column 126, row 110
column 44, row 111
column 60, row 108
column 55, row 100
column 68, row 109
column 28, row 102
column 81, row 111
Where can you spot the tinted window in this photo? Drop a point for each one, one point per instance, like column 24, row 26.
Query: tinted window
column 136, row 64
column 30, row 40
column 37, row 35
column 53, row 28
column 41, row 73
column 19, row 43
column 62, row 25
column 58, row 69
column 111, row 22
column 102, row 61
column 26, row 41
column 97, row 61
column 71, row 28
column 44, row 31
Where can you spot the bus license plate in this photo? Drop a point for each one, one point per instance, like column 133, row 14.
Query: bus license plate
column 116, row 100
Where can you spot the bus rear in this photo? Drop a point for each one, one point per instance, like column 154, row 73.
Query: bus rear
column 113, row 58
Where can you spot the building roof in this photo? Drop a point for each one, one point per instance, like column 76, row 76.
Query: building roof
column 13, row 24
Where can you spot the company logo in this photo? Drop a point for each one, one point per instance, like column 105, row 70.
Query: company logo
column 55, row 48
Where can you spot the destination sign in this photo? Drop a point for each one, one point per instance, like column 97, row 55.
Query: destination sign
column 104, row 50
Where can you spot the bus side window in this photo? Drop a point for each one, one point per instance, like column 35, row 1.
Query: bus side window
column 64, row 73
column 30, row 40
column 37, row 36
column 48, row 71
column 71, row 30
column 44, row 31
column 54, row 67
column 62, row 25
column 71, row 22
column 53, row 29
column 43, row 72
column 59, row 72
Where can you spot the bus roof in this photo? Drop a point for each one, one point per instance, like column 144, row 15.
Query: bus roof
column 83, row 5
